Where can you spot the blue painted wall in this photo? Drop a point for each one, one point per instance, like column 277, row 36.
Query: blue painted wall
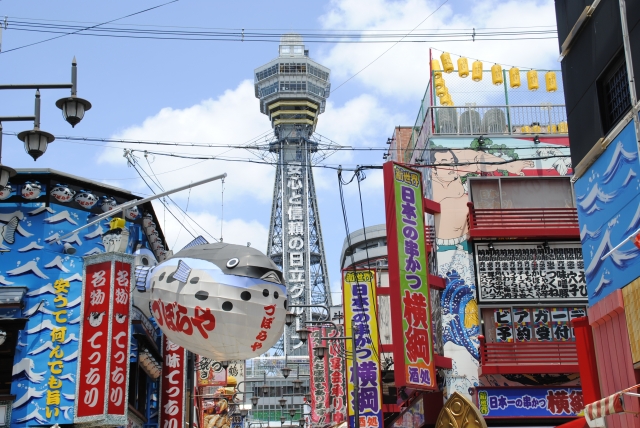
column 608, row 197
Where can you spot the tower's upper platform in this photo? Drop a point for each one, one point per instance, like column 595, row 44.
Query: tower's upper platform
column 292, row 87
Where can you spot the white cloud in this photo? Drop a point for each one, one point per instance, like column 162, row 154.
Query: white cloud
column 233, row 118
column 403, row 71
column 234, row 231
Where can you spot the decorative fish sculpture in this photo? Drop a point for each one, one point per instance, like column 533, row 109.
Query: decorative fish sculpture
column 6, row 191
column 31, row 190
column 221, row 301
column 63, row 193
column 86, row 199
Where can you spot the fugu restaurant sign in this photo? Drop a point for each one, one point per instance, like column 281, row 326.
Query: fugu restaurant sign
column 408, row 273
column 103, row 363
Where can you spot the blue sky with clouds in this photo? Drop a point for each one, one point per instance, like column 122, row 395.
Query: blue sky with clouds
column 202, row 91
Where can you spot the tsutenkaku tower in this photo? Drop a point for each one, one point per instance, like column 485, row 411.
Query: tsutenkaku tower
column 293, row 90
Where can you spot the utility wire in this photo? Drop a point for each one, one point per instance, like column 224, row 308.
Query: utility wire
column 87, row 28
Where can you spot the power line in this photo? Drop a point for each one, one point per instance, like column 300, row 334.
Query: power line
column 88, row 28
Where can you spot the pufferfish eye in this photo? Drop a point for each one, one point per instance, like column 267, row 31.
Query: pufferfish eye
column 233, row 263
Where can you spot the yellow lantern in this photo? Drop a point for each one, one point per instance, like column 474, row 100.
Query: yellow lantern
column 536, row 129
column 563, row 128
column 526, row 129
column 438, row 82
column 550, row 78
column 463, row 67
column 476, row 71
column 514, row 77
column 552, row 129
column 446, row 62
column 436, row 68
column 441, row 91
column 532, row 80
column 496, row 75
column 445, row 100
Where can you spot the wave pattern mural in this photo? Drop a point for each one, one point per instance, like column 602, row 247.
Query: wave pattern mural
column 609, row 203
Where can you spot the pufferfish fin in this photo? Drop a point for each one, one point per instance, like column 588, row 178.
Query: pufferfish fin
column 200, row 240
column 271, row 277
column 141, row 277
column 183, row 271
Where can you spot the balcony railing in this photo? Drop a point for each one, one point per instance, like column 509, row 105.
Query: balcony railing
column 560, row 223
column 528, row 357
column 521, row 120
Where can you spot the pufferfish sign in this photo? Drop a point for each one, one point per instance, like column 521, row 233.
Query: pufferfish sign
column 221, row 301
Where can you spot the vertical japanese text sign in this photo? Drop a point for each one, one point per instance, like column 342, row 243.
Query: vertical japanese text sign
column 408, row 273
column 359, row 291
column 173, row 384
column 336, row 376
column 103, row 350
column 318, row 376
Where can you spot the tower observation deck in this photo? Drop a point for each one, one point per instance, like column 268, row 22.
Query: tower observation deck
column 293, row 90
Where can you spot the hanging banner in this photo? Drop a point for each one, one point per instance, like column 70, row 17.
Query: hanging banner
column 359, row 293
column 172, row 396
column 103, row 349
column 408, row 273
column 318, row 376
column 337, row 392
column 210, row 372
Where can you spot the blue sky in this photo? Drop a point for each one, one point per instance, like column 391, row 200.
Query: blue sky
column 203, row 92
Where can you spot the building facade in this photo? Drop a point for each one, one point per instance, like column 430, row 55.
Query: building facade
column 41, row 280
column 604, row 38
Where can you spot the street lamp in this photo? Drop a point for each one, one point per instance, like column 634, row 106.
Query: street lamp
column 303, row 334
column 73, row 108
column 297, row 383
column 320, row 351
column 282, row 419
column 35, row 140
column 301, row 421
column 292, row 412
column 225, row 364
column 283, row 402
column 289, row 318
column 286, row 371
column 244, row 412
column 254, row 400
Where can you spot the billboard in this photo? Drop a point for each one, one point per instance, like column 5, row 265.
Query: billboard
column 549, row 402
column 517, row 272
column 103, row 350
column 609, row 211
column 210, row 372
column 359, row 294
column 408, row 278
column 318, row 375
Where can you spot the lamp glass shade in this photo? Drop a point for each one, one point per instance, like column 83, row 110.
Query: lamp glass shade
column 301, row 421
column 320, row 351
column 35, row 142
column 283, row 402
column 282, row 419
column 286, row 371
column 303, row 334
column 73, row 109
column 5, row 174
column 254, row 400
column 292, row 412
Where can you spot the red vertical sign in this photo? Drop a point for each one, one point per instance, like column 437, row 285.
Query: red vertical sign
column 337, row 392
column 173, row 379
column 94, row 329
column 120, row 331
column 318, row 375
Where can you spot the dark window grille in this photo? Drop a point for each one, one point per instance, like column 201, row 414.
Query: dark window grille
column 615, row 99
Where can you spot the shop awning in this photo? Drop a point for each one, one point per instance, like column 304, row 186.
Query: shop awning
column 596, row 411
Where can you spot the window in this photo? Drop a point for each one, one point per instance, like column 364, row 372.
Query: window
column 293, row 86
column 285, row 50
column 268, row 90
column 261, row 75
column 613, row 92
column 298, row 50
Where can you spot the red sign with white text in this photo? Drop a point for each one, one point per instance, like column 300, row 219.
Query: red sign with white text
column 318, row 376
column 173, row 380
column 120, row 331
column 92, row 362
column 337, row 392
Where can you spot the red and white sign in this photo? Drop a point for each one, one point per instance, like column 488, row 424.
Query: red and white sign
column 173, row 384
column 93, row 353
column 337, row 391
column 318, row 376
column 103, row 350
column 120, row 332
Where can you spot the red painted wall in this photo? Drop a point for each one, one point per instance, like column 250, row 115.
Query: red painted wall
column 613, row 351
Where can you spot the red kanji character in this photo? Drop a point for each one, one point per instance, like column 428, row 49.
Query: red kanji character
column 183, row 321
column 415, row 309
column 558, row 402
column 372, row 421
column 270, row 310
column 576, row 402
column 262, row 336
column 417, row 344
column 204, row 320
column 255, row 346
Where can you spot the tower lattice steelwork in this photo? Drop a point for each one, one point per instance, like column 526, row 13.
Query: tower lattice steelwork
column 293, row 90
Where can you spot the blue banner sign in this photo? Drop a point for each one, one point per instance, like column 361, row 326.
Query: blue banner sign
column 530, row 402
